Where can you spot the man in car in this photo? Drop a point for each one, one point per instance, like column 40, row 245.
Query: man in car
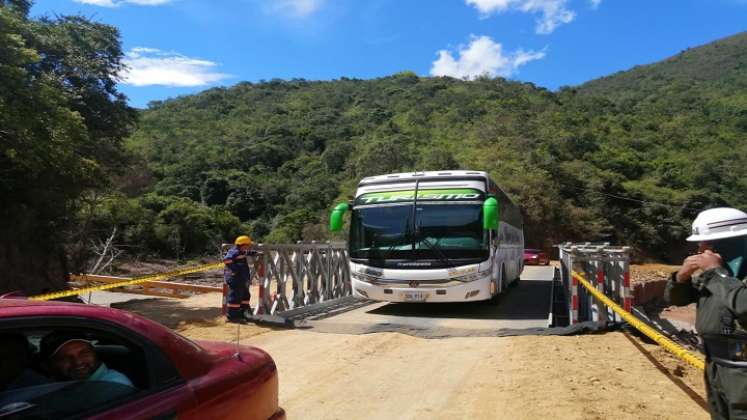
column 74, row 359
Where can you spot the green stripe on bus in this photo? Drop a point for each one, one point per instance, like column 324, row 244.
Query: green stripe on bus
column 425, row 194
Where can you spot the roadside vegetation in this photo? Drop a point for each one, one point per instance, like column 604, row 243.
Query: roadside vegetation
column 630, row 158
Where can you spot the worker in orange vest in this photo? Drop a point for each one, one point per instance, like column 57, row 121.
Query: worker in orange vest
column 237, row 275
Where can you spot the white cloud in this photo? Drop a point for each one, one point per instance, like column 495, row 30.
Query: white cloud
column 487, row 7
column 553, row 12
column 150, row 66
column 481, row 57
column 595, row 3
column 115, row 3
column 294, row 8
column 104, row 3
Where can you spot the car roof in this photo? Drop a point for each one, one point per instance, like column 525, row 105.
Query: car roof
column 446, row 175
column 170, row 343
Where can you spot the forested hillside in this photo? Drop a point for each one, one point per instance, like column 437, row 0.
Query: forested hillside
column 721, row 65
column 629, row 158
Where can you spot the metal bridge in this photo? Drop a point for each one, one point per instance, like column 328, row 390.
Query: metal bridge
column 308, row 285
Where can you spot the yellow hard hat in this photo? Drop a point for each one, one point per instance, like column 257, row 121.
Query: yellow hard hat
column 243, row 240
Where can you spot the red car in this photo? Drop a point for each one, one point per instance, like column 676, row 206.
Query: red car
column 172, row 377
column 535, row 257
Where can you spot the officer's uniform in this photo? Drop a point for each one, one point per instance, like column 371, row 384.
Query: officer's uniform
column 720, row 320
column 237, row 274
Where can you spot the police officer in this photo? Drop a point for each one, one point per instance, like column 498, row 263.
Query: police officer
column 236, row 274
column 714, row 279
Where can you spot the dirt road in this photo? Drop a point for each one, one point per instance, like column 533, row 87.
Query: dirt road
column 338, row 371
column 390, row 375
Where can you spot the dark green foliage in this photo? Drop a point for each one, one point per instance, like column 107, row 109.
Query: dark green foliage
column 165, row 226
column 628, row 159
column 61, row 125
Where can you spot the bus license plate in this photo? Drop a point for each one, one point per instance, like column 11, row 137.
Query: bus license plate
column 415, row 296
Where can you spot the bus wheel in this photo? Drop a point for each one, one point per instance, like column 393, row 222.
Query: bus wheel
column 495, row 299
column 504, row 284
column 516, row 281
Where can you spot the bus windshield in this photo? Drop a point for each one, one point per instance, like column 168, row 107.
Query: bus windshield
column 439, row 232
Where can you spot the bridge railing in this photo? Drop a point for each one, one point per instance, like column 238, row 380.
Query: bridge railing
column 290, row 276
column 608, row 267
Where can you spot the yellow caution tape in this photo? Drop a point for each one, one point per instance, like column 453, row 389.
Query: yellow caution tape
column 131, row 282
column 651, row 333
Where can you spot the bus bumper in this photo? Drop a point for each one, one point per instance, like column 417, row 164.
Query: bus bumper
column 466, row 292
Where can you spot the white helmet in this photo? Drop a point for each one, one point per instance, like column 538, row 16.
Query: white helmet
column 718, row 223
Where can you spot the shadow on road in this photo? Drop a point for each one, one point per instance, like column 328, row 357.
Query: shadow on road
column 527, row 300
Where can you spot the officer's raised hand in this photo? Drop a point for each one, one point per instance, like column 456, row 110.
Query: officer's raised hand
column 708, row 260
column 689, row 267
column 704, row 261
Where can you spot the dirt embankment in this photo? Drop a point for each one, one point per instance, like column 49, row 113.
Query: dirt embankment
column 649, row 281
column 646, row 273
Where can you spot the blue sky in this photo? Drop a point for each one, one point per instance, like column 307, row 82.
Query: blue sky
column 178, row 47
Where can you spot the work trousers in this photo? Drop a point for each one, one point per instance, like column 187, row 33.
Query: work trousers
column 238, row 297
column 727, row 391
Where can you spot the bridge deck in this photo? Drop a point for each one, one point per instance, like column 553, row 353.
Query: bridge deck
column 524, row 306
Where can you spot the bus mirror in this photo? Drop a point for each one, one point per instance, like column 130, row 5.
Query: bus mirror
column 335, row 219
column 490, row 214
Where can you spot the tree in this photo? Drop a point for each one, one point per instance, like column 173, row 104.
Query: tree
column 62, row 123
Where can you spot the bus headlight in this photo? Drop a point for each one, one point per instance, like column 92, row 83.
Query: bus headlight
column 363, row 277
column 472, row 277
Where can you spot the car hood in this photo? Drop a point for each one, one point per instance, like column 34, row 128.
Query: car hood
column 223, row 350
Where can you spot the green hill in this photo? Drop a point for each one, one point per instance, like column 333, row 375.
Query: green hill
column 721, row 64
column 628, row 158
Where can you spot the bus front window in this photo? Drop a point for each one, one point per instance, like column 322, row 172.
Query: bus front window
column 453, row 231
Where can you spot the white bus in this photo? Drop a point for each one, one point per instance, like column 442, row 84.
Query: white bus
column 447, row 236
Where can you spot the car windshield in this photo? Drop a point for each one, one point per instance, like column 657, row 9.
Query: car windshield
column 434, row 231
column 59, row 399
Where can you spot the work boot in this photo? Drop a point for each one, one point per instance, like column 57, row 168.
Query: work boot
column 248, row 314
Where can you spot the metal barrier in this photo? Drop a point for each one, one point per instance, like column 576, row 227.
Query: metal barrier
column 292, row 276
column 596, row 281
column 288, row 276
column 609, row 266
